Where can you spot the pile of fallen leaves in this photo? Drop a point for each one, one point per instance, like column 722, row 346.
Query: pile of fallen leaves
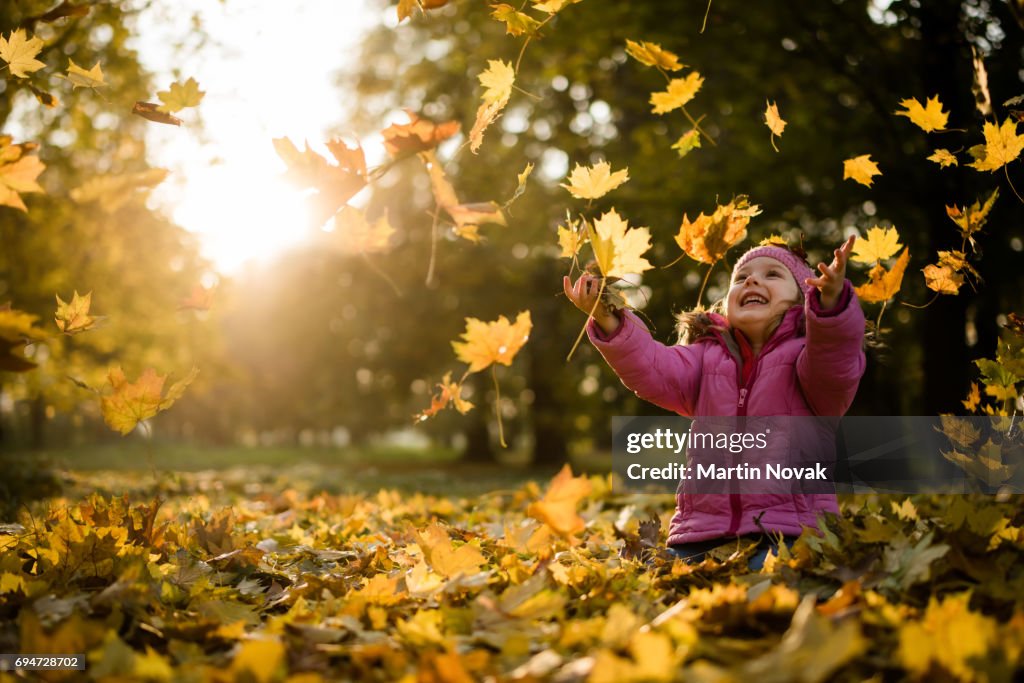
column 568, row 583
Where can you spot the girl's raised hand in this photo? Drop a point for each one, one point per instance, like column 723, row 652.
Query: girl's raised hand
column 830, row 283
column 583, row 294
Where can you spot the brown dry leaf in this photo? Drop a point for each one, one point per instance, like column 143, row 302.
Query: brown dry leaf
column 151, row 112
column 883, row 284
column 419, row 135
column 707, row 238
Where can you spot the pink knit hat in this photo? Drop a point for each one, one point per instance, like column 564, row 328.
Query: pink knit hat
column 797, row 266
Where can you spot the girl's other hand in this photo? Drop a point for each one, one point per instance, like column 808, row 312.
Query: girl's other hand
column 583, row 294
column 830, row 283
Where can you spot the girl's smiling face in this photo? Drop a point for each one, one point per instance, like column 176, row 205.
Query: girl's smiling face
column 761, row 292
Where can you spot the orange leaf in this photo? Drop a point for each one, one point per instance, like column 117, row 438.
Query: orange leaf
column 883, row 284
column 18, row 172
column 133, row 402
column 442, row 555
column 449, row 392
column 201, row 299
column 707, row 238
column 419, row 135
column 557, row 508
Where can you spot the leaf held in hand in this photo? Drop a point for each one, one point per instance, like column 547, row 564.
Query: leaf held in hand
column 619, row 249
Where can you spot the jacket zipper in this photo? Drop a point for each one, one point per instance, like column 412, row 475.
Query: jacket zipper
column 735, row 506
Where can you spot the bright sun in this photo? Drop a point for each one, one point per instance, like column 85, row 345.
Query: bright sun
column 242, row 212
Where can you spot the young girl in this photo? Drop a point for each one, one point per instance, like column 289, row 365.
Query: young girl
column 789, row 343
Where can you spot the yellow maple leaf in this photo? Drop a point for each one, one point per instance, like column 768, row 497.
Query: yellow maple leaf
column 594, row 181
column 971, row 219
column 652, row 54
column 442, row 555
column 707, row 238
column 557, row 508
column 883, row 284
column 973, row 398
column 80, row 78
column 774, row 121
column 180, row 96
column 258, row 660
column 133, row 402
column 499, row 341
column 19, row 51
column 1002, row 145
column 497, row 80
column 570, row 239
column 687, row 142
column 516, row 23
column 860, row 169
column 419, row 135
column 679, row 92
column 355, row 234
column 942, row 279
column 950, row 635
column 944, row 158
column 879, row 245
column 18, row 172
column 406, row 7
column 74, row 317
column 928, row 117
column 17, row 328
column 618, row 249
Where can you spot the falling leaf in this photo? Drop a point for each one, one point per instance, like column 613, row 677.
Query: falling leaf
column 18, row 172
column 406, row 7
column 594, row 181
column 570, row 239
column 774, row 121
column 944, row 158
column 19, row 51
column 553, row 6
column 80, row 78
column 133, row 402
column 180, row 96
column 619, row 249
column 448, row 392
column 335, row 185
column 497, row 81
column 355, row 234
column 942, row 279
column 419, row 135
column 928, row 117
column 499, row 341
column 516, row 23
column 151, row 112
column 860, row 169
column 973, row 398
column 1002, row 145
column 707, row 238
column 688, row 142
column 521, row 179
column 883, row 284
column 45, row 98
column 74, row 317
column 679, row 92
column 971, row 219
column 878, row 245
column 979, row 87
column 557, row 508
column 652, row 54
column 17, row 328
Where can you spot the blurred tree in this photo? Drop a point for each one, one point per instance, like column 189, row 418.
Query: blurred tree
column 85, row 237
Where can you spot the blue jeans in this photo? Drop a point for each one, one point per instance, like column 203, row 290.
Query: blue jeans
column 695, row 552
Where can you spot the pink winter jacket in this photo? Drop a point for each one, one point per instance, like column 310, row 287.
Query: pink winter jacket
column 811, row 365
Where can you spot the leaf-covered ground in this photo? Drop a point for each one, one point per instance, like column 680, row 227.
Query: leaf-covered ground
column 231, row 579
